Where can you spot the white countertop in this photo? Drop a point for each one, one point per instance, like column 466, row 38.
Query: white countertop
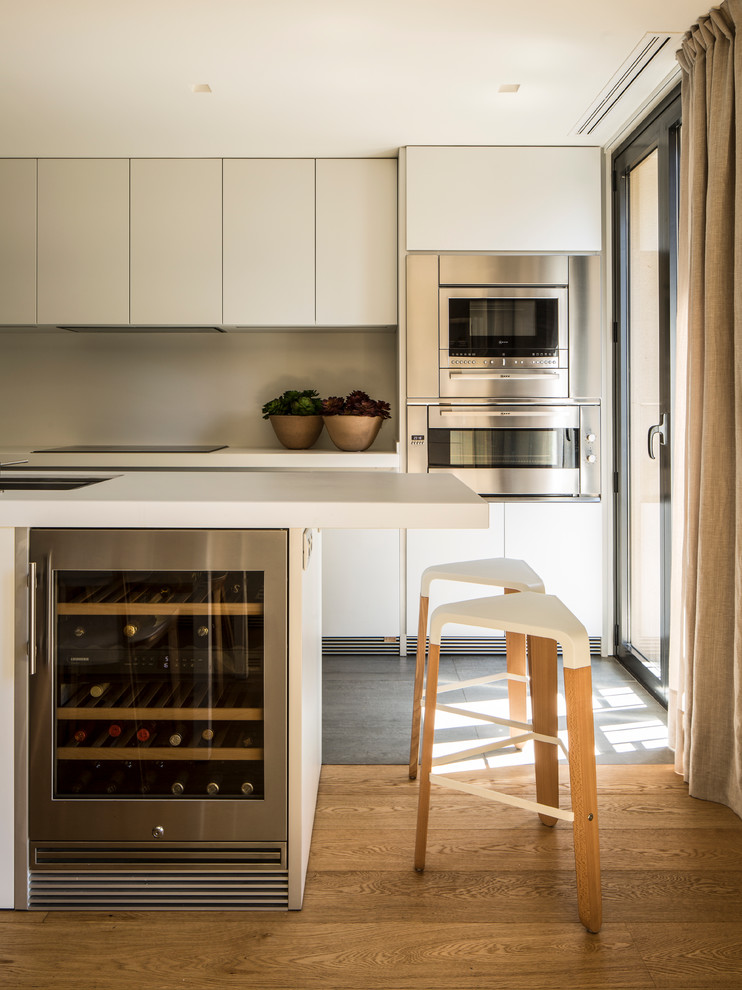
column 230, row 458
column 254, row 499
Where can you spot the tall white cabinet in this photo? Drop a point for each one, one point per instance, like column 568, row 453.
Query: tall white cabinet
column 269, row 241
column 356, row 242
column 83, row 248
column 176, row 241
column 18, row 241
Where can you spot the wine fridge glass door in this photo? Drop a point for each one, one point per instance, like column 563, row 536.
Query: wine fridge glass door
column 160, row 697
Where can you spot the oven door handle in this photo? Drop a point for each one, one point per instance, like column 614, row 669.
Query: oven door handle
column 504, row 413
column 518, row 376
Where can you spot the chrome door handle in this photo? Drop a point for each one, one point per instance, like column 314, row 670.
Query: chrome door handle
column 659, row 430
column 32, row 618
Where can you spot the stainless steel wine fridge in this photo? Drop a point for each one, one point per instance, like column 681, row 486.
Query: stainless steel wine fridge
column 156, row 733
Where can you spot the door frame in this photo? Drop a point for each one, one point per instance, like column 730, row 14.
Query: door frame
column 661, row 131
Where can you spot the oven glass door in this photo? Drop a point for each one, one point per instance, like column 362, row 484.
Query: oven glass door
column 507, row 451
column 504, row 323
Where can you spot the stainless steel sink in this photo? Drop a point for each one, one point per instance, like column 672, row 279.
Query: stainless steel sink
column 47, row 483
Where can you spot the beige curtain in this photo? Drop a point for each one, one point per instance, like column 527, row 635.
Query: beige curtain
column 706, row 632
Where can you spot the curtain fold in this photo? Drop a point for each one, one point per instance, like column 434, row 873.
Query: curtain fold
column 706, row 628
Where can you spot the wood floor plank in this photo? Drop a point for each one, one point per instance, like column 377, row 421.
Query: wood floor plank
column 689, row 956
column 671, row 810
column 533, row 847
column 381, row 955
column 501, row 898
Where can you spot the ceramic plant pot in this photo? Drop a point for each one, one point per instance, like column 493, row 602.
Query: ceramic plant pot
column 297, row 432
column 353, row 432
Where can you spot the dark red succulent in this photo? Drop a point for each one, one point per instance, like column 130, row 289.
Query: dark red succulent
column 356, row 403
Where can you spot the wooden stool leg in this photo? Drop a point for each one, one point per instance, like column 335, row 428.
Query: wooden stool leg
column 423, row 801
column 422, row 631
column 515, row 647
column 542, row 659
column 583, row 785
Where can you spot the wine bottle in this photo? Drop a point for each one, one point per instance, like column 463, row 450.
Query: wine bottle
column 246, row 787
column 178, row 785
column 212, row 788
column 207, row 734
column 116, row 780
column 82, row 733
column 115, row 730
column 178, row 736
column 97, row 690
column 146, row 732
column 82, row 781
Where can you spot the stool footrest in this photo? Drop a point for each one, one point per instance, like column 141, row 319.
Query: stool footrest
column 485, row 792
column 475, row 681
column 487, row 747
column 491, row 745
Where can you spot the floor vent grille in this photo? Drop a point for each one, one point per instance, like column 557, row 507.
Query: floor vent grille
column 388, row 646
column 188, row 891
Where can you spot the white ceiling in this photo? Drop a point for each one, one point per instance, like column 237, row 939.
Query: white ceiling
column 315, row 78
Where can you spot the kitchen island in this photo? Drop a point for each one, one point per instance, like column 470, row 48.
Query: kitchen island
column 300, row 503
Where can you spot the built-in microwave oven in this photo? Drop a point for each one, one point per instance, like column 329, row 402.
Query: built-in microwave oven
column 503, row 327
column 503, row 342
column 525, row 450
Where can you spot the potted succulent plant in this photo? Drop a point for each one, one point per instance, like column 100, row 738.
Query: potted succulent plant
column 354, row 422
column 295, row 417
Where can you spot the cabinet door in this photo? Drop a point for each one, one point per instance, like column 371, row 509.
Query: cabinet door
column 360, row 582
column 563, row 543
column 18, row 241
column 269, row 242
column 83, row 267
column 176, row 241
column 437, row 546
column 357, row 242
column 504, row 199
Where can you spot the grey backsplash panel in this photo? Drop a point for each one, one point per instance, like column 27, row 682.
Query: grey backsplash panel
column 63, row 388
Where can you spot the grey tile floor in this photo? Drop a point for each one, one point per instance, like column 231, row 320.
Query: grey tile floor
column 367, row 702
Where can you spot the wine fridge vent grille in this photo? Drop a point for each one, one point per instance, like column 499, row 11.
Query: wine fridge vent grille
column 111, row 891
column 162, row 856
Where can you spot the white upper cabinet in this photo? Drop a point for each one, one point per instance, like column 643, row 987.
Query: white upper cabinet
column 356, row 242
column 176, row 241
column 83, row 251
column 18, row 241
column 504, row 199
column 269, row 242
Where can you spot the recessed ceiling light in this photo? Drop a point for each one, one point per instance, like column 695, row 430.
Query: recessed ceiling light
column 200, row 88
column 508, row 88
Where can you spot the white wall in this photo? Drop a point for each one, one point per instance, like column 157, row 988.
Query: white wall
column 61, row 388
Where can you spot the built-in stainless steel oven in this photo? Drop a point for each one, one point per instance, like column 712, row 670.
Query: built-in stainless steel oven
column 527, row 449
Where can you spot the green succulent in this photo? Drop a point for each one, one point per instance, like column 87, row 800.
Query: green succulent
column 294, row 403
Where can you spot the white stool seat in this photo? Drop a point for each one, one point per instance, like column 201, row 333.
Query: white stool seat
column 529, row 613
column 545, row 621
column 495, row 572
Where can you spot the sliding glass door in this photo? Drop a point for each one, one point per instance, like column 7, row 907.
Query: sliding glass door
column 645, row 225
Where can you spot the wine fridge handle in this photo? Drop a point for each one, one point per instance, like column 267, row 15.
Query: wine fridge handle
column 32, row 581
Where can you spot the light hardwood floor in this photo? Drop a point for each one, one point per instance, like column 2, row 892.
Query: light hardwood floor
column 496, row 907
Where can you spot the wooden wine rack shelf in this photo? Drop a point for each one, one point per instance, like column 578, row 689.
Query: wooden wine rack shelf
column 150, row 753
column 163, row 714
column 163, row 609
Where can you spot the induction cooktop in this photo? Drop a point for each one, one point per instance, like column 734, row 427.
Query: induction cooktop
column 132, row 448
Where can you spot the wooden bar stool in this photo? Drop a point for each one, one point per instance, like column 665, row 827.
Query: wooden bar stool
column 496, row 572
column 545, row 621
